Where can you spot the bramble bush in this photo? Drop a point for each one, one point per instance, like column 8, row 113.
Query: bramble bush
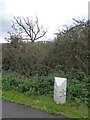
column 77, row 86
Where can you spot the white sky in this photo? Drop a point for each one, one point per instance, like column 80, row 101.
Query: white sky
column 52, row 14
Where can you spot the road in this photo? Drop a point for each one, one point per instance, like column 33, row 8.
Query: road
column 13, row 110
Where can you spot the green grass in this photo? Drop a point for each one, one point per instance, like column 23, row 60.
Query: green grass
column 46, row 103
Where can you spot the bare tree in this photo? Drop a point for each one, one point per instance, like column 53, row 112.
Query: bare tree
column 27, row 29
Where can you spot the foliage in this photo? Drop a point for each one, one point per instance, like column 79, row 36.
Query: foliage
column 40, row 85
column 26, row 58
column 71, row 47
column 77, row 86
column 34, row 85
column 69, row 50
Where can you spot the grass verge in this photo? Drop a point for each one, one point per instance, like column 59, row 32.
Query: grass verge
column 46, row 103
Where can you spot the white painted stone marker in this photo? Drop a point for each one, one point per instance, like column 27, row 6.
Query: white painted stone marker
column 60, row 90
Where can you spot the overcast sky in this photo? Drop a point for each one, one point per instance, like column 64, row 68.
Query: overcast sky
column 52, row 14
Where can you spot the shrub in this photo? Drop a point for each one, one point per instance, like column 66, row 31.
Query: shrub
column 77, row 86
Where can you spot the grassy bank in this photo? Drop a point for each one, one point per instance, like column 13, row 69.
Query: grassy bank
column 46, row 103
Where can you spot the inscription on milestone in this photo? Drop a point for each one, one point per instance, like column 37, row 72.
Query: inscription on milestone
column 62, row 93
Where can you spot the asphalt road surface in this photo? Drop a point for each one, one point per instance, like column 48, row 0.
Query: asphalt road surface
column 13, row 110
